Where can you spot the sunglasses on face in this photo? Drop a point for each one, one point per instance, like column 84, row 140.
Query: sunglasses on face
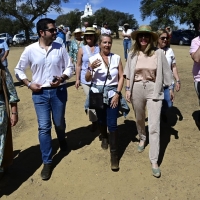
column 163, row 38
column 144, row 35
column 51, row 30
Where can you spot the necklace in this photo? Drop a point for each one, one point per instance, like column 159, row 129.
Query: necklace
column 108, row 66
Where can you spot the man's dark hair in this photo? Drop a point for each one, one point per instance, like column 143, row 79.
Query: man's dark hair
column 42, row 24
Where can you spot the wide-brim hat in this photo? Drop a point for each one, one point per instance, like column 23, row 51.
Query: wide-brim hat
column 77, row 30
column 126, row 24
column 90, row 31
column 144, row 29
column 61, row 27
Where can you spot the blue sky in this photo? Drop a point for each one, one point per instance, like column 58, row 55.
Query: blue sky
column 127, row 6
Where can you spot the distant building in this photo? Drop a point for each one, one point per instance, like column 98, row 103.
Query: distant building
column 87, row 11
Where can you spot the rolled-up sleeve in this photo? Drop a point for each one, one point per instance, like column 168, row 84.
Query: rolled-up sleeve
column 22, row 65
column 68, row 66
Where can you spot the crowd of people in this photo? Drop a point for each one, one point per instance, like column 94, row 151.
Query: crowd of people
column 150, row 76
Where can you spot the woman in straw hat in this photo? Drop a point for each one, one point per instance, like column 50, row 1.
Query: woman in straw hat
column 146, row 71
column 126, row 33
column 163, row 40
column 89, row 49
column 76, row 43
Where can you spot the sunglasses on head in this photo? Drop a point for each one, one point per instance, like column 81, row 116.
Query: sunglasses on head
column 163, row 38
column 51, row 30
column 145, row 35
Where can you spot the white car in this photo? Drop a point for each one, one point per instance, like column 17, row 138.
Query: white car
column 18, row 39
column 6, row 37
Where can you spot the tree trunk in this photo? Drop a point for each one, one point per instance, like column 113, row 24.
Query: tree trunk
column 27, row 35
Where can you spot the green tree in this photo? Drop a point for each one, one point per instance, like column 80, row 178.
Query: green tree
column 186, row 11
column 71, row 19
column 158, row 24
column 29, row 10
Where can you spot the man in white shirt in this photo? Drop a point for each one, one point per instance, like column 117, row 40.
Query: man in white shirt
column 68, row 38
column 105, row 29
column 86, row 24
column 51, row 66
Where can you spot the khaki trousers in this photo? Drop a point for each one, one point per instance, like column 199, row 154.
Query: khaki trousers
column 141, row 98
column 91, row 112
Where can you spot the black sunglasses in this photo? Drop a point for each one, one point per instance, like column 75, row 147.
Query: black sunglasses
column 145, row 35
column 51, row 30
column 162, row 38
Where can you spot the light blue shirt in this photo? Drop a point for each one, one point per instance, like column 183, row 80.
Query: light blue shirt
column 3, row 48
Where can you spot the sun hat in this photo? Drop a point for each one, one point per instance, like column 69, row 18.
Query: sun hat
column 77, row 30
column 126, row 24
column 90, row 31
column 61, row 27
column 144, row 29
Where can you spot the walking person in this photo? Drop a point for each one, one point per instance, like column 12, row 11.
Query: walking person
column 126, row 33
column 163, row 38
column 195, row 55
column 51, row 66
column 60, row 36
column 146, row 71
column 8, row 97
column 76, row 43
column 89, row 49
column 68, row 38
column 106, row 74
column 105, row 29
column 4, row 51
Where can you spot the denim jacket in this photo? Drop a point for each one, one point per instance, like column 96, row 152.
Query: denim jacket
column 124, row 108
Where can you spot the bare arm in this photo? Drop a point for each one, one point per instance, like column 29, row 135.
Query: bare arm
column 78, row 67
column 5, row 55
column 176, row 76
column 196, row 56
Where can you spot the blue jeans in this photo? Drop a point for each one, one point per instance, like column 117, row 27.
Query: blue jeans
column 167, row 103
column 50, row 101
column 127, row 46
column 108, row 117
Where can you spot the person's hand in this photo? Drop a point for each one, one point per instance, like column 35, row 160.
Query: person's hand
column 57, row 81
column 128, row 96
column 96, row 63
column 171, row 92
column 35, row 87
column 2, row 59
column 77, row 84
column 178, row 86
column 13, row 119
column 115, row 100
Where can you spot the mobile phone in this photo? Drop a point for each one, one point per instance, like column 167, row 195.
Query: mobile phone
column 54, row 79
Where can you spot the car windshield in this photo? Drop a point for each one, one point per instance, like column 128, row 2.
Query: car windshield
column 3, row 35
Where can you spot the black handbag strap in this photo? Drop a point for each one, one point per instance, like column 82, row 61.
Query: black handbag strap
column 107, row 72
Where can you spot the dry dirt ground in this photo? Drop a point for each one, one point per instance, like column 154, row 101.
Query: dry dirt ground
column 84, row 172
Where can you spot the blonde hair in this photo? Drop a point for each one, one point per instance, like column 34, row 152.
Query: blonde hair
column 136, row 47
column 160, row 32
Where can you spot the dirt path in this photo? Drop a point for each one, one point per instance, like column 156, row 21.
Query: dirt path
column 84, row 173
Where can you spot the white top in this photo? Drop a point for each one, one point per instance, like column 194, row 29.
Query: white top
column 68, row 36
column 100, row 72
column 105, row 31
column 170, row 58
column 128, row 32
column 44, row 64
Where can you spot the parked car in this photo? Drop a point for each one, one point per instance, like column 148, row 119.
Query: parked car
column 18, row 39
column 34, row 38
column 6, row 37
column 181, row 37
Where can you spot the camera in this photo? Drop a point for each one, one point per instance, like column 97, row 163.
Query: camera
column 54, row 79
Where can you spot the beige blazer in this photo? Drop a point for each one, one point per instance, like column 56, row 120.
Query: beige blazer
column 163, row 73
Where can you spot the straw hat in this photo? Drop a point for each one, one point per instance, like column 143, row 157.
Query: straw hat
column 126, row 24
column 77, row 30
column 144, row 29
column 90, row 31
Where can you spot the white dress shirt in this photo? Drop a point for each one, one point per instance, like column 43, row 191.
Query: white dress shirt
column 105, row 31
column 44, row 64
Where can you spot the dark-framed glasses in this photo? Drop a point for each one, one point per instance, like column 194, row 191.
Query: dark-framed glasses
column 144, row 35
column 164, row 38
column 51, row 30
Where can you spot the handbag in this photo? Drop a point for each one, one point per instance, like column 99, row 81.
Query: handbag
column 96, row 99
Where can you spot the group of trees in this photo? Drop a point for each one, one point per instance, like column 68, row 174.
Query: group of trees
column 168, row 11
column 17, row 15
column 114, row 19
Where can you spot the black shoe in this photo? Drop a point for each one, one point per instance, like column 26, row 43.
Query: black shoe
column 46, row 171
column 104, row 143
column 114, row 160
column 63, row 145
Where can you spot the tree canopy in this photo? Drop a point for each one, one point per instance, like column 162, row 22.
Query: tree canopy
column 28, row 10
column 186, row 11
